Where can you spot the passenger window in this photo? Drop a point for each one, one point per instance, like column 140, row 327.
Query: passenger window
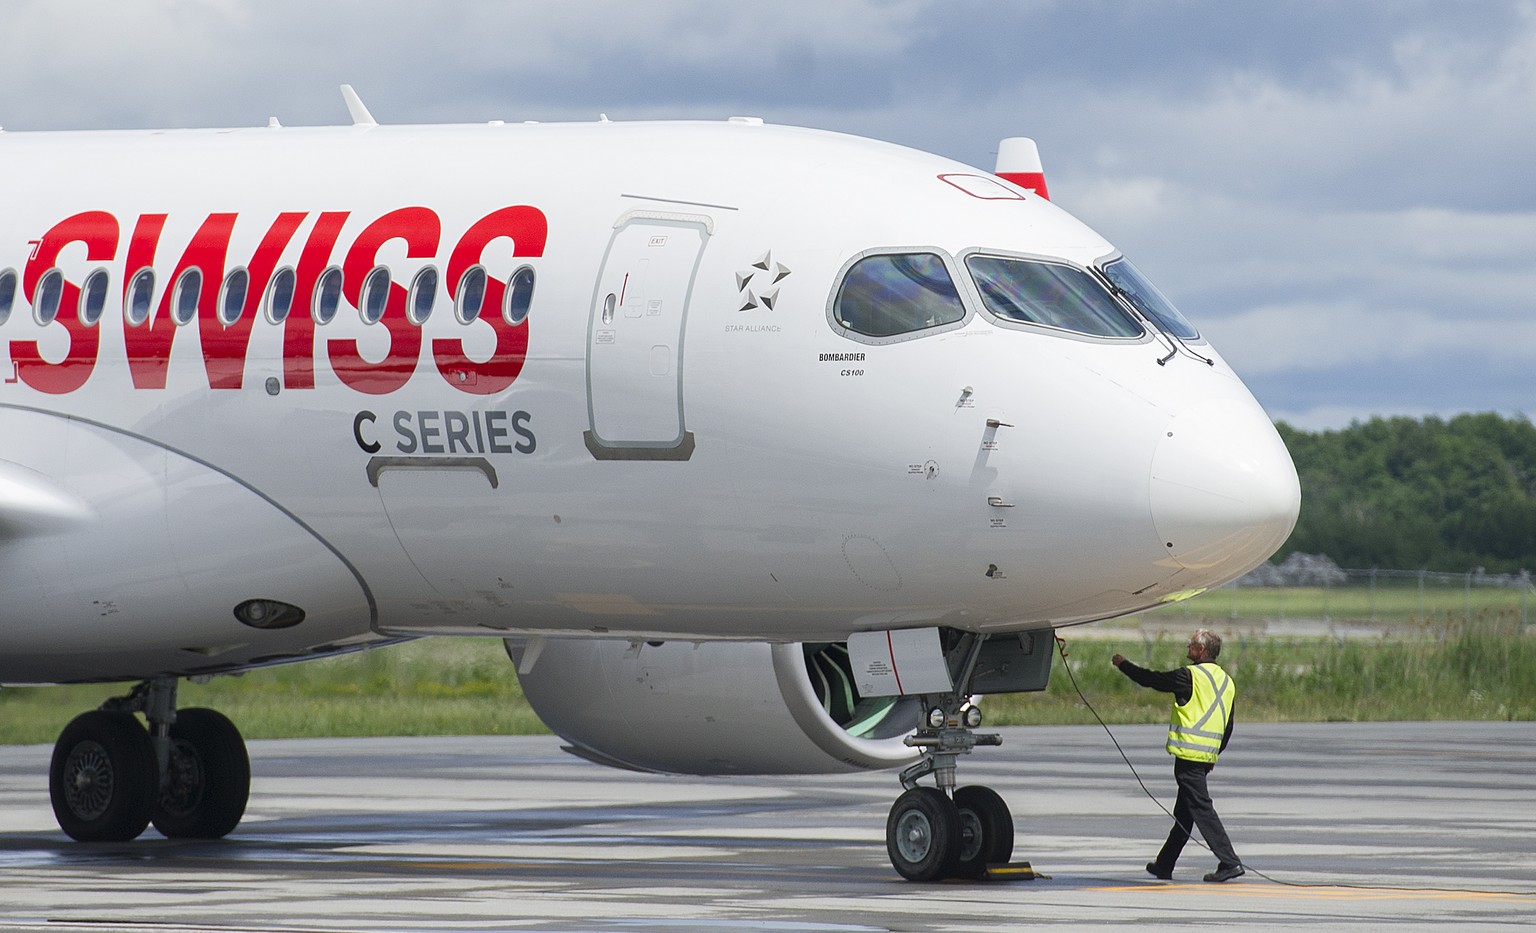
column 327, row 297
column 888, row 294
column 423, row 296
column 7, row 293
column 189, row 288
column 141, row 291
column 375, row 295
column 280, row 295
column 50, row 291
column 93, row 297
column 519, row 296
column 471, row 294
column 232, row 296
column 1049, row 294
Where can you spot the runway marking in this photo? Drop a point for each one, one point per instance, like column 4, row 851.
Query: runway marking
column 1310, row 892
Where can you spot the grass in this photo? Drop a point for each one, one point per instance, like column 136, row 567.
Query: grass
column 1484, row 669
column 1390, row 601
column 1480, row 669
column 437, row 686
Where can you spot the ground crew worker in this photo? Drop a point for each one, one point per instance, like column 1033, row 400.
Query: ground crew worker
column 1199, row 731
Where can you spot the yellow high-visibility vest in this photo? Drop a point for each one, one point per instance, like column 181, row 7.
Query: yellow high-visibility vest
column 1197, row 727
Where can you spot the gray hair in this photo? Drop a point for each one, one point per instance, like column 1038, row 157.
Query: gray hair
column 1209, row 641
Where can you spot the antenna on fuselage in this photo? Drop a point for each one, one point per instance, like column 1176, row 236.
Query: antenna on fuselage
column 355, row 106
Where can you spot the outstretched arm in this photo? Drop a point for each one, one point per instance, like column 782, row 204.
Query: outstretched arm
column 1176, row 682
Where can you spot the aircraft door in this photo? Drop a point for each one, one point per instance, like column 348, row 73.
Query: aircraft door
column 635, row 337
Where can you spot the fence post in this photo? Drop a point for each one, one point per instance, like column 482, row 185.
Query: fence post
column 1525, row 591
column 1373, row 594
column 1466, row 598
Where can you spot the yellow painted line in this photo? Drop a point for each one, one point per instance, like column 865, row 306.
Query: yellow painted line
column 1308, row 892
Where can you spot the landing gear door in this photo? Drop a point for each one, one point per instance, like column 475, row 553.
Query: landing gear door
column 635, row 337
column 904, row 662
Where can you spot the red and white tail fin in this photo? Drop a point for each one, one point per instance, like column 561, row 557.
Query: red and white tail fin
column 1018, row 161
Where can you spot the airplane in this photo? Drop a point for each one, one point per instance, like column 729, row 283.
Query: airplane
column 763, row 449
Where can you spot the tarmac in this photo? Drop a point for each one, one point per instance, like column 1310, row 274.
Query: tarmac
column 1353, row 827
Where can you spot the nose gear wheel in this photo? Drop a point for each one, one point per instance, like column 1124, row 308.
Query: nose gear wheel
column 922, row 834
column 941, row 832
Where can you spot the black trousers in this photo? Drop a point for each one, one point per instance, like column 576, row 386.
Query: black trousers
column 1194, row 807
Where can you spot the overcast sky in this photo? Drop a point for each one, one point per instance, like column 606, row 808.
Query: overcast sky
column 1341, row 194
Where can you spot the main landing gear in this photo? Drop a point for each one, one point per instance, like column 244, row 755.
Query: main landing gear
column 188, row 773
column 943, row 831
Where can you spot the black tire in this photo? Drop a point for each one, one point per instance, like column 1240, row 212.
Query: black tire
column 922, row 834
column 986, row 830
column 103, row 778
column 209, row 778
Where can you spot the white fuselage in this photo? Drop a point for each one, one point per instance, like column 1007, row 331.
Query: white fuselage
column 710, row 457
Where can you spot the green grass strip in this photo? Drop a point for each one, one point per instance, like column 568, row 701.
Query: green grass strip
column 1481, row 670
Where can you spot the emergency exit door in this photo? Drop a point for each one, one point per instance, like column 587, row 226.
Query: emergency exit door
column 635, row 337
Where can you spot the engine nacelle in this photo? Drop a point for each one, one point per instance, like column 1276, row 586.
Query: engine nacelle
column 713, row 707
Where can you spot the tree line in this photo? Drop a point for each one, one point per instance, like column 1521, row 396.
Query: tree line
column 1410, row 493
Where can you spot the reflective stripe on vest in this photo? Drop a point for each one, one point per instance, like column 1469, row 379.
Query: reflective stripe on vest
column 1197, row 727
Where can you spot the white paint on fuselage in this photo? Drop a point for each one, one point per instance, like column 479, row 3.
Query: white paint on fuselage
column 815, row 502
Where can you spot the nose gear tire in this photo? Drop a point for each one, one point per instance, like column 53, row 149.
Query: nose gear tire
column 986, row 830
column 922, row 834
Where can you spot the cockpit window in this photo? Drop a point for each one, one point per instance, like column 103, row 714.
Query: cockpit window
column 1145, row 297
column 886, row 294
column 1049, row 294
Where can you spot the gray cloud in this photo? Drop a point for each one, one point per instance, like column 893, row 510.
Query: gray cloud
column 1340, row 194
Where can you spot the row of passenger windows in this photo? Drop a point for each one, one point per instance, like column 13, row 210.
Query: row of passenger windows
column 881, row 295
column 890, row 294
column 279, row 300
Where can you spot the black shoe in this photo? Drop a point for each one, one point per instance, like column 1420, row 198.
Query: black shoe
column 1225, row 873
column 1156, row 872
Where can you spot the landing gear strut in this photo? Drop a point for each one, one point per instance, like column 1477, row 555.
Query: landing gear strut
column 188, row 772
column 941, row 832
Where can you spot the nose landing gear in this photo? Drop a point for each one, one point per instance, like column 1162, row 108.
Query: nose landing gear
column 946, row 831
column 943, row 831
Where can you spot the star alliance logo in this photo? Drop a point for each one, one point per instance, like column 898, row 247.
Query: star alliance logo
column 768, row 274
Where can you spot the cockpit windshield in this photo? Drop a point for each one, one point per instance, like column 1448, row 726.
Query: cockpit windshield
column 1049, row 294
column 1150, row 302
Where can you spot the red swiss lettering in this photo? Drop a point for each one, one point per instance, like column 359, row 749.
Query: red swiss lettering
column 528, row 229
column 99, row 232
column 149, row 344
column 299, row 328
column 421, row 230
column 225, row 347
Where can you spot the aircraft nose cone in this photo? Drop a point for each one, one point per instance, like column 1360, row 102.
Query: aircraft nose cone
column 1224, row 490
